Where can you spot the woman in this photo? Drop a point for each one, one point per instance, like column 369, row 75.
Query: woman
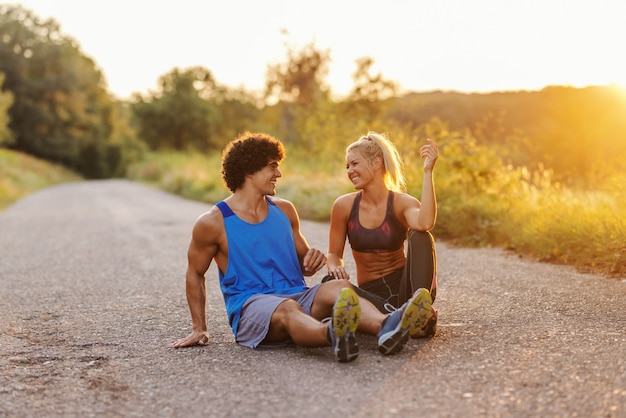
column 378, row 219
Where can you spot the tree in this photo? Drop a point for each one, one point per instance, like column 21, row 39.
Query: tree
column 300, row 79
column 367, row 97
column 298, row 90
column 238, row 111
column 181, row 115
column 61, row 109
column 368, row 87
column 6, row 99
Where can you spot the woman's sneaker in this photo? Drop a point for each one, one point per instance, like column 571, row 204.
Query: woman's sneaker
column 394, row 332
column 427, row 331
column 342, row 327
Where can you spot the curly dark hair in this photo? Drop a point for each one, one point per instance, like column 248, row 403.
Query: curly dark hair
column 248, row 153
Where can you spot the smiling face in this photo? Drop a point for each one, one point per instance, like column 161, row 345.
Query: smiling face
column 358, row 168
column 266, row 178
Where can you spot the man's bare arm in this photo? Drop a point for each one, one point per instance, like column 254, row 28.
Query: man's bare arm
column 204, row 246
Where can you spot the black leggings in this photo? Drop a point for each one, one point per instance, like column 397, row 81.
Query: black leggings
column 420, row 271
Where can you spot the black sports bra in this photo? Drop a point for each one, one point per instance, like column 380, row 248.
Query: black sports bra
column 387, row 237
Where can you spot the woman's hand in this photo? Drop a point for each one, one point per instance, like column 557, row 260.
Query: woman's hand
column 429, row 153
column 339, row 273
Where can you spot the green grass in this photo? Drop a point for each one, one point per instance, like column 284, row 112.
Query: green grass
column 585, row 229
column 21, row 174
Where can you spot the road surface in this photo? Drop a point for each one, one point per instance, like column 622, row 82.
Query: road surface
column 92, row 296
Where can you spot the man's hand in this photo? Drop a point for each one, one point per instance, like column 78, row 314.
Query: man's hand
column 195, row 338
column 313, row 261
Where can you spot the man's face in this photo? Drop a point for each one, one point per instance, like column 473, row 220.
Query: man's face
column 266, row 178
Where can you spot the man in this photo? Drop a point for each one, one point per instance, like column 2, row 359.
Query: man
column 262, row 258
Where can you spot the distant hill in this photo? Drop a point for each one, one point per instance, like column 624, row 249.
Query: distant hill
column 574, row 131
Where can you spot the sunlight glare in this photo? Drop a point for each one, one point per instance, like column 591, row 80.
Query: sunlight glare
column 620, row 87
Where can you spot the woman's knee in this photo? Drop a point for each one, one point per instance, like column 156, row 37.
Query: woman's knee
column 421, row 238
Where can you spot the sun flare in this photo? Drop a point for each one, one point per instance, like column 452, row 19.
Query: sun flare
column 621, row 87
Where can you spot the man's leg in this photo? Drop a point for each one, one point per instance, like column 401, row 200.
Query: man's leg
column 347, row 312
column 351, row 313
column 290, row 321
column 343, row 324
column 371, row 317
column 392, row 330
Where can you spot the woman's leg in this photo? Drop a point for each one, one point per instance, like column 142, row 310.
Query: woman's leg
column 383, row 292
column 382, row 295
column 420, row 270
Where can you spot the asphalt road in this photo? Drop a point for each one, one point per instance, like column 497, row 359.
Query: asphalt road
column 92, row 296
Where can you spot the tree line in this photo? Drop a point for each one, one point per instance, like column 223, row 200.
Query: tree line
column 54, row 105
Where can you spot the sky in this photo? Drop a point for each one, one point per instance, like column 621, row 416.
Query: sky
column 451, row 45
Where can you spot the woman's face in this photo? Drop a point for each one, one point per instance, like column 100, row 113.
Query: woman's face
column 358, row 169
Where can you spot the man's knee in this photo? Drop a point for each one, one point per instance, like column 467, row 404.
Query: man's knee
column 328, row 291
column 287, row 307
column 280, row 318
column 333, row 287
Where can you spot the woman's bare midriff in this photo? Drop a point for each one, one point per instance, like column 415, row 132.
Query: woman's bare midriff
column 372, row 266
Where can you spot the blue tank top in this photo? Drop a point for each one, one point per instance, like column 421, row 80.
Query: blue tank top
column 387, row 237
column 261, row 259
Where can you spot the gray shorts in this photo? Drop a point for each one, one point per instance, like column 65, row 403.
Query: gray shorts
column 257, row 312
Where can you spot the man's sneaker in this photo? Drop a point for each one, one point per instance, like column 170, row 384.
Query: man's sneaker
column 429, row 330
column 342, row 327
column 394, row 332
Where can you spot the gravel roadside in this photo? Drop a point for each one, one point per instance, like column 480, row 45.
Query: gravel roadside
column 92, row 296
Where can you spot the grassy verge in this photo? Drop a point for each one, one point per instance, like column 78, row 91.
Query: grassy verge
column 21, row 174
